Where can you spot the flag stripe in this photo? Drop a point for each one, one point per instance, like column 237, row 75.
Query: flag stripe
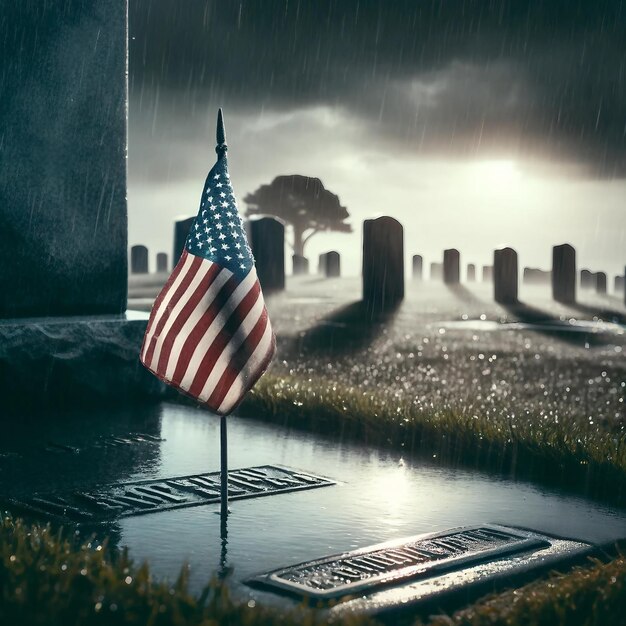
column 207, row 302
column 169, row 315
column 237, row 360
column 196, row 337
column 236, row 339
column 221, row 340
column 197, row 290
column 174, row 289
column 205, row 343
column 254, row 367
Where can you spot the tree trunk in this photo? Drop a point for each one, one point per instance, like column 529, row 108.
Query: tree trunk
column 298, row 239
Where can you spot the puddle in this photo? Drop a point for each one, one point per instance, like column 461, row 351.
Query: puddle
column 379, row 496
column 566, row 326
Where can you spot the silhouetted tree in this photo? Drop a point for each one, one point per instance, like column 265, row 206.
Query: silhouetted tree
column 302, row 202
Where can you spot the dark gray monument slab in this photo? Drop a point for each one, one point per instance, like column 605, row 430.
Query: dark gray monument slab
column 139, row 260
column 418, row 265
column 451, row 266
column 487, row 273
column 321, row 260
column 300, row 265
column 383, row 263
column 618, row 284
column 182, row 226
column 63, row 181
column 471, row 273
column 64, row 361
column 601, row 282
column 436, row 271
column 140, row 497
column 505, row 276
column 267, row 240
column 587, row 279
column 161, row 262
column 331, row 264
column 536, row 276
column 564, row 273
column 423, row 570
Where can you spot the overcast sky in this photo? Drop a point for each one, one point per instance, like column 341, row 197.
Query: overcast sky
column 476, row 124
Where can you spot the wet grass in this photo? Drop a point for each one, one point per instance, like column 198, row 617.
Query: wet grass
column 586, row 596
column 47, row 578
column 568, row 453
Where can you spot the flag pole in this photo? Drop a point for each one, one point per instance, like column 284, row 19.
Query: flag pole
column 221, row 149
column 224, row 469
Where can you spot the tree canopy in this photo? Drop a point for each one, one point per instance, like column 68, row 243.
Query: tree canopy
column 304, row 203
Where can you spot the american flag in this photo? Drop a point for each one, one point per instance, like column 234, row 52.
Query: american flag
column 209, row 334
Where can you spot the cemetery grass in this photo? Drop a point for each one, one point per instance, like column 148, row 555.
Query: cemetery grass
column 567, row 453
column 48, row 578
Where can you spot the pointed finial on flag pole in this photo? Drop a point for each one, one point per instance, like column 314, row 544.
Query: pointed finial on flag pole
column 220, row 135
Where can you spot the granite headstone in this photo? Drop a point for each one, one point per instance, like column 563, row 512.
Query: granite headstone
column 267, row 240
column 161, row 262
column 332, row 264
column 505, row 276
column 587, row 279
column 471, row 273
column 139, row 260
column 451, row 266
column 436, row 271
column 182, row 226
column 63, row 184
column 383, row 263
column 300, row 265
column 564, row 273
column 418, row 265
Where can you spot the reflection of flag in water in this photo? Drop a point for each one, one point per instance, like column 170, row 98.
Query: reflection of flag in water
column 209, row 334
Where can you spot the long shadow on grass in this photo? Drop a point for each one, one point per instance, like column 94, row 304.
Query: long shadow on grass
column 604, row 313
column 463, row 293
column 346, row 329
column 546, row 323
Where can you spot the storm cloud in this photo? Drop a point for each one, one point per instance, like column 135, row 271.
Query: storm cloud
column 457, row 78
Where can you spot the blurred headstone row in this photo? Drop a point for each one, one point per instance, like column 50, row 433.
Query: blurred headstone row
column 383, row 264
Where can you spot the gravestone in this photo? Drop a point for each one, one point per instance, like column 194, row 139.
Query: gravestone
column 63, row 232
column 564, row 273
column 383, row 263
column 182, row 226
column 300, row 265
column 535, row 276
column 321, row 267
column 436, row 271
column 451, row 266
column 331, row 264
column 139, row 260
column 618, row 284
column 267, row 240
column 587, row 279
column 161, row 261
column 505, row 276
column 471, row 273
column 487, row 273
column 600, row 282
column 63, row 181
column 418, row 264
